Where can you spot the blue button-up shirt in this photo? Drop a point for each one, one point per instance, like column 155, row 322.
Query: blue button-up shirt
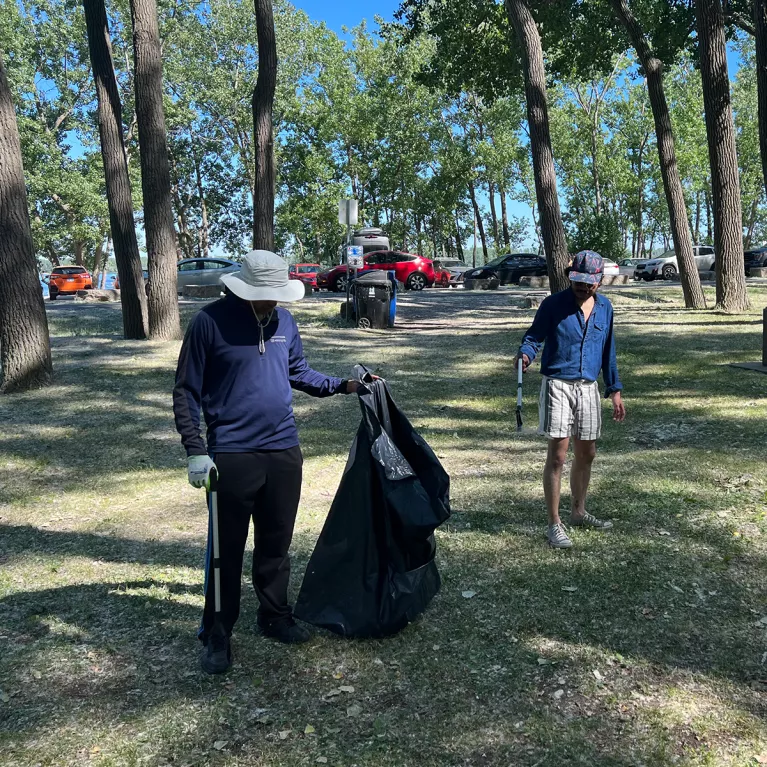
column 574, row 349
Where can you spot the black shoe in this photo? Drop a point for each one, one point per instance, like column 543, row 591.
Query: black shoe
column 285, row 630
column 216, row 655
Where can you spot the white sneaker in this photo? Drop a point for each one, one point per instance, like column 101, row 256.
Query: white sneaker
column 557, row 537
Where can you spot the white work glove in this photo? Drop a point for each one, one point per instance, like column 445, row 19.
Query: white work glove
column 198, row 470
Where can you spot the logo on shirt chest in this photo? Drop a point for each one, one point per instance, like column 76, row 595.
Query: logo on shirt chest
column 278, row 340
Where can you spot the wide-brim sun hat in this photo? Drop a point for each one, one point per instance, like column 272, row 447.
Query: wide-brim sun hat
column 588, row 266
column 264, row 277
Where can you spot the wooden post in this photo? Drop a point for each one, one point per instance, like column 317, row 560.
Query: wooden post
column 764, row 338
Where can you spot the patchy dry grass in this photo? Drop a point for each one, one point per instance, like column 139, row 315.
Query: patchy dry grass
column 647, row 646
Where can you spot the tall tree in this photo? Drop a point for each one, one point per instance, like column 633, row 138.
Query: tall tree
column 760, row 24
column 155, row 172
column 731, row 294
column 672, row 183
column 118, row 188
column 263, row 133
column 25, row 351
column 552, row 228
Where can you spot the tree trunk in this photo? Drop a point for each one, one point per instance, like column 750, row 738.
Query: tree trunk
column 504, row 218
column 119, row 198
column 97, row 272
column 204, row 235
column 760, row 24
column 263, row 135
column 751, row 222
column 493, row 216
column 552, row 229
column 696, row 237
column 595, row 163
column 25, row 350
column 672, row 184
column 419, row 235
column 478, row 224
column 458, row 243
column 155, row 172
column 731, row 293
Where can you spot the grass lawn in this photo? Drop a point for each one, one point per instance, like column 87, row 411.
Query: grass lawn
column 643, row 646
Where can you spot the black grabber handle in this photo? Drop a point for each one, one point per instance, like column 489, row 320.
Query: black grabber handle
column 519, row 394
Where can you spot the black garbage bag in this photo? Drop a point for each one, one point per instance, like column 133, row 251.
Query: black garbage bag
column 373, row 570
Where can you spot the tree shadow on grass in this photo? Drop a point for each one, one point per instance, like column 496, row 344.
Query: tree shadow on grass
column 126, row 647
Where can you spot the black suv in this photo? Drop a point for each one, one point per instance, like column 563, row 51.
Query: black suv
column 509, row 268
column 755, row 259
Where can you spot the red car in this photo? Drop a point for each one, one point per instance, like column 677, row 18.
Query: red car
column 414, row 271
column 441, row 275
column 307, row 273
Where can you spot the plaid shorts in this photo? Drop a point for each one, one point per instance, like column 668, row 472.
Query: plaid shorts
column 570, row 409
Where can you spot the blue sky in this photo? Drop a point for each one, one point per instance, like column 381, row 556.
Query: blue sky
column 337, row 14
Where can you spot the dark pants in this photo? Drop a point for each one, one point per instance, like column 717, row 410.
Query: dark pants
column 265, row 486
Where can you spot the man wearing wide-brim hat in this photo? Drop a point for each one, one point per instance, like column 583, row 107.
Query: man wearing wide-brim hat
column 240, row 360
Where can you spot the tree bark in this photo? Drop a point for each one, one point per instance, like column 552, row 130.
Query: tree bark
column 760, row 24
column 263, row 136
column 672, row 184
column 731, row 293
column 25, row 350
column 552, row 228
column 155, row 172
column 751, row 223
column 458, row 243
column 493, row 215
column 204, row 223
column 133, row 297
column 478, row 224
column 697, row 217
column 504, row 218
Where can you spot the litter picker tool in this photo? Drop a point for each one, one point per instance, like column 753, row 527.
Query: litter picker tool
column 218, row 628
column 519, row 394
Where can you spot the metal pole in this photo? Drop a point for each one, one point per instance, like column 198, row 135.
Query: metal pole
column 348, row 242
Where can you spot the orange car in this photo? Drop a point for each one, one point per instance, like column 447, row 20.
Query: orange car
column 67, row 280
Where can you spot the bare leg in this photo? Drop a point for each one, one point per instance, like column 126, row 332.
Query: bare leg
column 552, row 476
column 584, row 453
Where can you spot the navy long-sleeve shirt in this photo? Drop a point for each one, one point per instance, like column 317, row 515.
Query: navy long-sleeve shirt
column 572, row 348
column 244, row 395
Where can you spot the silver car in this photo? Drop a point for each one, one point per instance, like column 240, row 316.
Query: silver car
column 203, row 271
column 456, row 267
column 665, row 266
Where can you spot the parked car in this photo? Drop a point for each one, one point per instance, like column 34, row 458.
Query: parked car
column 611, row 268
column 203, row 271
column 665, row 266
column 632, row 261
column 67, row 280
column 441, row 275
column 509, row 268
column 44, row 286
column 456, row 268
column 307, row 273
column 145, row 274
column 755, row 259
column 415, row 272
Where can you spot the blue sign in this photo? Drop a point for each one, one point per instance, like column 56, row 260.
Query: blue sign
column 354, row 250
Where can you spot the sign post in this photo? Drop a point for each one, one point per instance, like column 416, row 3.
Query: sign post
column 355, row 262
column 347, row 216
